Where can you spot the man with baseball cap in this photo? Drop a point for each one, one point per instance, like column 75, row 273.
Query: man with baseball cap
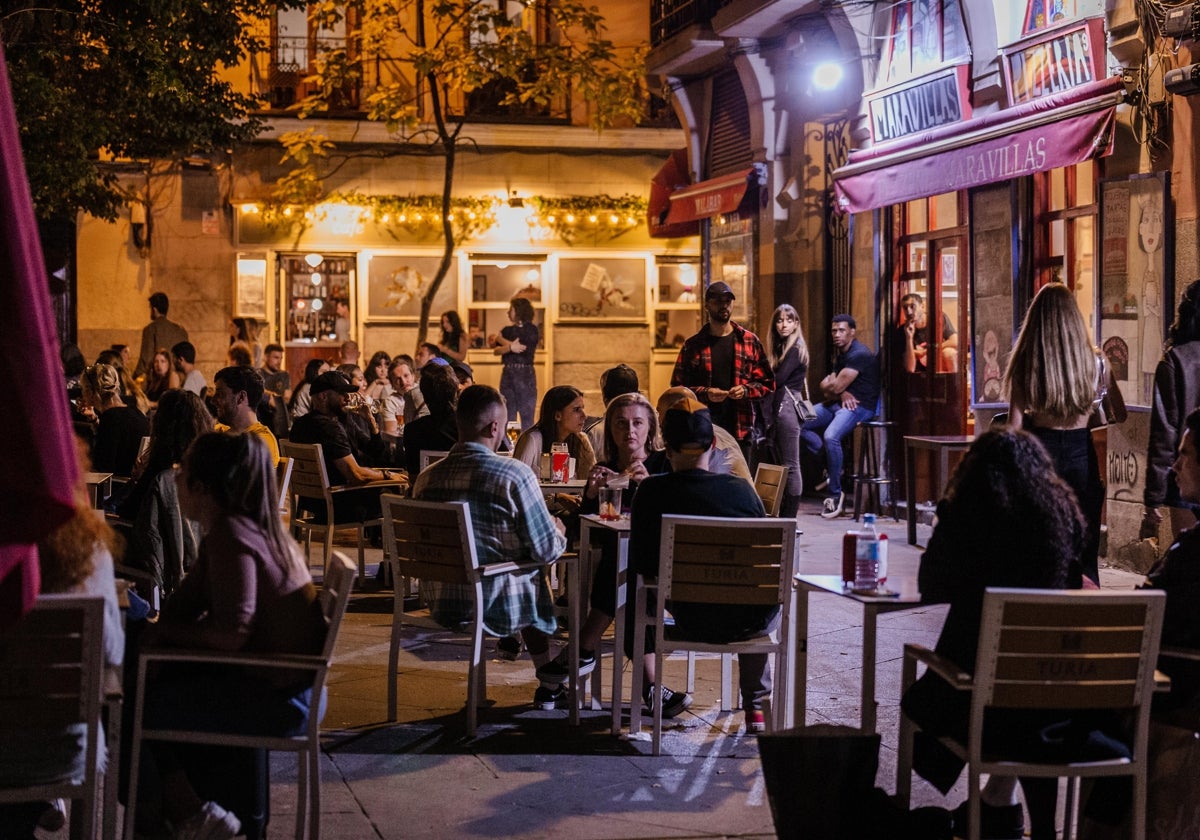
column 725, row 366
column 691, row 489
column 321, row 425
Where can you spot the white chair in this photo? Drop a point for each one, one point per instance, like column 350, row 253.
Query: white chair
column 719, row 561
column 770, row 482
column 431, row 456
column 283, row 478
column 1051, row 649
column 434, row 542
column 309, row 480
column 51, row 677
column 334, row 597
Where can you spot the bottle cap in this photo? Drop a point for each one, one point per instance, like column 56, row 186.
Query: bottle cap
column 869, row 518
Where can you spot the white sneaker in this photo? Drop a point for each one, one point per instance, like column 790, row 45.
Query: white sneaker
column 834, row 506
column 211, row 822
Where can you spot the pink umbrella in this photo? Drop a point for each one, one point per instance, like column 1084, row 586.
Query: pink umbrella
column 37, row 459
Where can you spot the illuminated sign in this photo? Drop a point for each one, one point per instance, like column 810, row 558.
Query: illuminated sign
column 1054, row 62
column 929, row 103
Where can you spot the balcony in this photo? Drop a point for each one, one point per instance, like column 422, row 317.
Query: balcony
column 669, row 18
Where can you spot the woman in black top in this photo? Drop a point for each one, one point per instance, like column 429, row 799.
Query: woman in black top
column 435, row 431
column 121, row 427
column 515, row 345
column 788, row 354
column 454, row 340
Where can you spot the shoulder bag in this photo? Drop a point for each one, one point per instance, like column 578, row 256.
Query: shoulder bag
column 803, row 405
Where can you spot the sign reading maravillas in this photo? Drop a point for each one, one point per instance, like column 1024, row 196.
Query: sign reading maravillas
column 919, row 106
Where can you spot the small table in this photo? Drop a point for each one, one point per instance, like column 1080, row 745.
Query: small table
column 943, row 445
column 872, row 606
column 99, row 486
column 575, row 486
column 590, row 524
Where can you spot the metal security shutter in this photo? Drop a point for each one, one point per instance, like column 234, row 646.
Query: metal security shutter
column 729, row 138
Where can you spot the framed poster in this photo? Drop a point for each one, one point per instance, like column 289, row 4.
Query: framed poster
column 396, row 283
column 602, row 289
column 1136, row 286
column 250, row 286
column 992, row 287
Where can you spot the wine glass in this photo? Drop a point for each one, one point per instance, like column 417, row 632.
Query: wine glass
column 513, row 430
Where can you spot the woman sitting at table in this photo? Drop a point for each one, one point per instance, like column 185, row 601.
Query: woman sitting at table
column 436, row 431
column 1007, row 519
column 634, row 453
column 121, row 427
column 560, row 420
column 250, row 590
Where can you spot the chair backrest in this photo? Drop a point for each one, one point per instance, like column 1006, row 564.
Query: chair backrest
column 283, row 477
column 719, row 560
column 51, row 663
column 309, row 478
column 335, row 596
column 429, row 540
column 1053, row 649
column 769, row 483
column 431, row 456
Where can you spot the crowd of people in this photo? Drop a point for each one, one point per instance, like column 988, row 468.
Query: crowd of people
column 199, row 511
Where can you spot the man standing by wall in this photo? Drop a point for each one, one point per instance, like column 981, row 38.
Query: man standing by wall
column 160, row 332
column 725, row 366
column 851, row 395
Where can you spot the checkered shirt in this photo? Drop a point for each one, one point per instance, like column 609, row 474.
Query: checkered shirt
column 693, row 369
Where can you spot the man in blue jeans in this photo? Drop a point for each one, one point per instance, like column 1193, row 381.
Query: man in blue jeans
column 851, row 394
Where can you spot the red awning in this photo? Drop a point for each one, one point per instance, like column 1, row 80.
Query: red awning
column 710, row 198
column 1035, row 137
column 672, row 176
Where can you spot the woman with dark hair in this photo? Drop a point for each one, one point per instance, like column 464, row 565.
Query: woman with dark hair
column 560, row 421
column 1054, row 379
column 515, row 345
column 1007, row 519
column 788, row 353
column 301, row 400
column 453, row 343
column 121, row 427
column 161, row 376
column 161, row 541
column 378, row 386
column 435, row 431
column 245, row 331
column 250, row 590
column 1176, row 392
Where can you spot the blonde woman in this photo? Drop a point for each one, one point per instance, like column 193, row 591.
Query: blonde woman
column 1052, row 383
column 121, row 427
column 787, row 352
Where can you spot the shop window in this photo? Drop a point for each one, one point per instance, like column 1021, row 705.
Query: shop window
column 495, row 281
column 676, row 303
column 921, row 36
column 1064, row 242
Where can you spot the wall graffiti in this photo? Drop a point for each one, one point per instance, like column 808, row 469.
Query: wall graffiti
column 1122, row 468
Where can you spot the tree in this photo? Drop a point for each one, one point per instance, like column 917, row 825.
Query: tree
column 525, row 55
column 103, row 86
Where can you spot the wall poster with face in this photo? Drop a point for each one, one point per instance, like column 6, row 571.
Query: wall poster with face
column 1136, row 279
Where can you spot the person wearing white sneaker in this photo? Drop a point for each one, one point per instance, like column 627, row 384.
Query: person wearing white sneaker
column 850, row 394
column 691, row 489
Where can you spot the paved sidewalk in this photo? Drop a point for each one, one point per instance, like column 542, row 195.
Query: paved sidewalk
column 529, row 774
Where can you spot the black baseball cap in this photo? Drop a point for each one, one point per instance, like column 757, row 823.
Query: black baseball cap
column 687, row 426
column 331, row 380
column 719, row 288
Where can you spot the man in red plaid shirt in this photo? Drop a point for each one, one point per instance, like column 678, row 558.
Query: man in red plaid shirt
column 725, row 366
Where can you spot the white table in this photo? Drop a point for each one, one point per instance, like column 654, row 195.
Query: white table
column 590, row 527
column 872, row 607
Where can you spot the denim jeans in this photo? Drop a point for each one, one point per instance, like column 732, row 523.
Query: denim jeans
column 827, row 429
column 518, row 384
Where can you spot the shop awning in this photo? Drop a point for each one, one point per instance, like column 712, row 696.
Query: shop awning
column 672, row 176
column 1057, row 131
column 710, row 198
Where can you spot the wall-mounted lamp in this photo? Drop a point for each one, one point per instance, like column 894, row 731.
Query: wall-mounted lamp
column 313, row 260
column 139, row 227
column 515, row 200
column 828, row 75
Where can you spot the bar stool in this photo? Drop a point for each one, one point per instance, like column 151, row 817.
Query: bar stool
column 873, row 468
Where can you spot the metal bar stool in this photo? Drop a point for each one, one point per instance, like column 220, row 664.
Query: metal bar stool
column 873, row 467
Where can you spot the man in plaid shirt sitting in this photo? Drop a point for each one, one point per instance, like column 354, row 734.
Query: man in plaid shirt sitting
column 725, row 366
column 511, row 523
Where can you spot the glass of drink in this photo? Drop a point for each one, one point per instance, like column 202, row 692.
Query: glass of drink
column 610, row 503
column 560, row 460
column 513, row 430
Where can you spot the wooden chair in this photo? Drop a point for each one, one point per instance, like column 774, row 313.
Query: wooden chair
column 311, row 481
column 434, row 542
column 770, row 482
column 1051, row 649
column 51, row 677
column 719, row 561
column 335, row 595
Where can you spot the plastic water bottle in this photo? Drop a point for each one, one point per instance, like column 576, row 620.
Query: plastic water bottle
column 866, row 556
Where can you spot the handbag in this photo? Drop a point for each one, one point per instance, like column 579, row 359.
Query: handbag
column 803, row 405
column 1110, row 403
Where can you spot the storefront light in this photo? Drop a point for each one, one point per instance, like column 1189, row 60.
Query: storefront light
column 827, row 75
column 313, row 260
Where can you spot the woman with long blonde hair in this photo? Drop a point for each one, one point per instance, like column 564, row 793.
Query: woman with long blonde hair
column 787, row 352
column 1053, row 383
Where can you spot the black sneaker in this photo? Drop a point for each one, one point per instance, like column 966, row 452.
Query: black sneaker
column 834, row 506
column 996, row 822
column 548, row 699
column 558, row 669
column 508, row 648
column 673, row 702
